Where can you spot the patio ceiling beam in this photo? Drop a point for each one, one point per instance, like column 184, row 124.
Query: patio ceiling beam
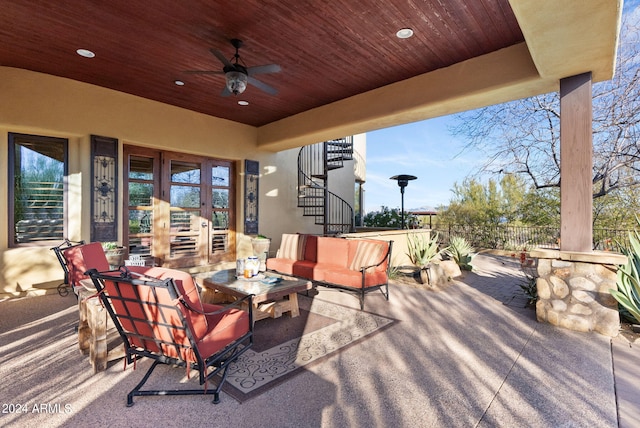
column 489, row 79
column 570, row 37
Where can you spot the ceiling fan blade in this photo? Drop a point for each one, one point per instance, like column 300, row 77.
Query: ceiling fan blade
column 221, row 57
column 263, row 86
column 262, row 69
column 204, row 72
column 225, row 92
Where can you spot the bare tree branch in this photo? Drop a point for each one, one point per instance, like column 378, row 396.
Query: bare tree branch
column 523, row 137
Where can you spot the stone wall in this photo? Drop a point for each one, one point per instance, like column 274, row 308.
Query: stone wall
column 573, row 290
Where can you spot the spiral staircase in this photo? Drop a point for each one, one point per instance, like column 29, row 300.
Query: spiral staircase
column 314, row 164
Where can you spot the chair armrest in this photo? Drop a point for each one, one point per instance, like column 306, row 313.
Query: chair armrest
column 386, row 256
column 224, row 308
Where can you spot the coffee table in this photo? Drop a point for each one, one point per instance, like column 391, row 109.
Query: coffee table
column 270, row 300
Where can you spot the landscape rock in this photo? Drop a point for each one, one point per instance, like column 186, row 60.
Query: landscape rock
column 451, row 268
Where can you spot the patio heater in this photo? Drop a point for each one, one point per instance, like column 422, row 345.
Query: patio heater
column 403, row 180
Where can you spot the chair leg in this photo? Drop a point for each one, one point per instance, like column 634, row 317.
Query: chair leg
column 221, row 370
column 216, row 392
column 136, row 390
column 63, row 290
column 386, row 294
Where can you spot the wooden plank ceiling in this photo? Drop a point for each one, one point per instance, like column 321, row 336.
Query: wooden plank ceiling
column 328, row 50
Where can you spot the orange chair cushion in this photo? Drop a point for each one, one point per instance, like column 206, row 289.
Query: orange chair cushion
column 292, row 246
column 81, row 258
column 187, row 287
column 334, row 260
column 211, row 333
column 333, row 251
column 350, row 278
column 224, row 329
column 311, row 248
column 368, row 253
column 281, row 265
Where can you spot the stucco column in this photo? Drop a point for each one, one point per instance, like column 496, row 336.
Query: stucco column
column 576, row 163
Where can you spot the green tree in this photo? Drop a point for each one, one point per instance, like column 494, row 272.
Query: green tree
column 474, row 203
column 510, row 201
column 389, row 218
column 613, row 211
column 541, row 207
column 513, row 195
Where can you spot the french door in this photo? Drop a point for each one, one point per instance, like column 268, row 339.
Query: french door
column 180, row 208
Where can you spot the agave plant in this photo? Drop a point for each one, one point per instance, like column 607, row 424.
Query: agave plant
column 460, row 251
column 422, row 250
column 628, row 282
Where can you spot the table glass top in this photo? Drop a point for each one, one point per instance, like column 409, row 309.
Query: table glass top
column 261, row 284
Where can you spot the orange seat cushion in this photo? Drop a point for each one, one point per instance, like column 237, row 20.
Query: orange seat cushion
column 281, row 265
column 352, row 278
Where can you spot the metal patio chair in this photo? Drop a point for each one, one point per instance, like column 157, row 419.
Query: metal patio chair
column 59, row 250
column 159, row 319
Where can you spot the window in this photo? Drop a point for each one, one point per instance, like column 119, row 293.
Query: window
column 358, row 206
column 37, row 171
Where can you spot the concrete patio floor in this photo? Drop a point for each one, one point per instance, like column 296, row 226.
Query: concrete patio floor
column 469, row 356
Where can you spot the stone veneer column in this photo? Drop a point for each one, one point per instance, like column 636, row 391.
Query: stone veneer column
column 573, row 290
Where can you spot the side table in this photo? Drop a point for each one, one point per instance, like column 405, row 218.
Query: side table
column 94, row 327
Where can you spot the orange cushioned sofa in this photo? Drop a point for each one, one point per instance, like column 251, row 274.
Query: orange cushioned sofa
column 355, row 265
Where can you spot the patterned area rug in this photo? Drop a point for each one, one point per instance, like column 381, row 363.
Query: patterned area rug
column 284, row 346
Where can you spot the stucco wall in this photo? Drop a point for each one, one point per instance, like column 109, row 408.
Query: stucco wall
column 41, row 104
column 399, row 251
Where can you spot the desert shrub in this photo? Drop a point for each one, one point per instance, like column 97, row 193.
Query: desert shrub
column 460, row 251
column 628, row 281
column 422, row 249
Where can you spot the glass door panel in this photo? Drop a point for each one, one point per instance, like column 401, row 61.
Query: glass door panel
column 185, row 228
column 186, row 218
column 141, row 195
column 220, row 232
column 220, row 211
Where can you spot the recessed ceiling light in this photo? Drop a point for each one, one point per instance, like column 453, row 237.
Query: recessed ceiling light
column 179, row 82
column 404, row 33
column 243, row 103
column 85, row 53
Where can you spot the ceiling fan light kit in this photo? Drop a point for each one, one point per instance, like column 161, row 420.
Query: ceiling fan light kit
column 236, row 81
column 237, row 76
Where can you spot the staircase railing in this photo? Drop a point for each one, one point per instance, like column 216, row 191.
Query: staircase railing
column 314, row 163
column 339, row 215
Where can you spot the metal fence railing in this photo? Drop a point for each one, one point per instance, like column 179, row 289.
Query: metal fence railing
column 505, row 237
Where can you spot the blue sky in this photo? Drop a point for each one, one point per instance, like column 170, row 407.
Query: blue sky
column 423, row 149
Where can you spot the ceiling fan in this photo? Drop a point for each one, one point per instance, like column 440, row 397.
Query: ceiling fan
column 238, row 75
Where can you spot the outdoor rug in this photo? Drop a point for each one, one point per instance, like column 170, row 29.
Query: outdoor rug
column 284, row 346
